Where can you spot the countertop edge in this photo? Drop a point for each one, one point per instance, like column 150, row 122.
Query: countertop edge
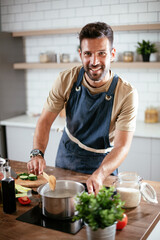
column 146, row 130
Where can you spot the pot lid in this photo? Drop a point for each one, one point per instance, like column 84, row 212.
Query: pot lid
column 148, row 193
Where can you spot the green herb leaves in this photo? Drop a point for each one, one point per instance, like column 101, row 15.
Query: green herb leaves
column 99, row 211
column 146, row 47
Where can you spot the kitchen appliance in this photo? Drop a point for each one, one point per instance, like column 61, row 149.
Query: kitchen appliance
column 12, row 83
column 60, row 203
column 34, row 216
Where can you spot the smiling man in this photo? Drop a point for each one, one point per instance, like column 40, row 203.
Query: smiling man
column 100, row 112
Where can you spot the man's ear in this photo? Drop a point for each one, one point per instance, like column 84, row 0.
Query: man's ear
column 80, row 53
column 113, row 54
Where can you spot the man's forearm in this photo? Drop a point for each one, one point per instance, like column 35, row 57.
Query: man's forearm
column 41, row 137
column 42, row 131
column 113, row 160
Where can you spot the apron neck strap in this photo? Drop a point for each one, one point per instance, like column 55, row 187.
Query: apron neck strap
column 113, row 85
column 80, row 77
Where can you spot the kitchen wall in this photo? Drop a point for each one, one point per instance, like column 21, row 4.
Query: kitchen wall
column 0, row 17
column 17, row 15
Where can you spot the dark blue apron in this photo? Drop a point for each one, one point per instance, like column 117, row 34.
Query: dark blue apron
column 88, row 120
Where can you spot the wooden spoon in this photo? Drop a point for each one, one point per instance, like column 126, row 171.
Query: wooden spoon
column 51, row 179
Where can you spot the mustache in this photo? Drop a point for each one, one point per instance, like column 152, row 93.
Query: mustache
column 92, row 66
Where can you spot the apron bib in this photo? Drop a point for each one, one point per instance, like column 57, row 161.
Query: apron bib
column 85, row 140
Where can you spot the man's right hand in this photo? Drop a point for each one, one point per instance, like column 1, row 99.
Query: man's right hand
column 36, row 165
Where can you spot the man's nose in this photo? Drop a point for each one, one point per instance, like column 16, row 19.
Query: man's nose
column 94, row 59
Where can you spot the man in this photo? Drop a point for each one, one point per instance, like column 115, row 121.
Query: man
column 100, row 112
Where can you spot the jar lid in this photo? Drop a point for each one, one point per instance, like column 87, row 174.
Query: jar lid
column 148, row 193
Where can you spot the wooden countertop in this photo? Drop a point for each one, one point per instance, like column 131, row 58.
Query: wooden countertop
column 141, row 220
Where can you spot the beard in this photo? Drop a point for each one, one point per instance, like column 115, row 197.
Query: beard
column 96, row 72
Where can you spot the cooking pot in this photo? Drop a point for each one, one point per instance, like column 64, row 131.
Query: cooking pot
column 60, row 204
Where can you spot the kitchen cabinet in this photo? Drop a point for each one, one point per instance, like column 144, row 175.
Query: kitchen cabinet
column 20, row 143
column 143, row 158
column 139, row 157
column 155, row 160
column 138, row 27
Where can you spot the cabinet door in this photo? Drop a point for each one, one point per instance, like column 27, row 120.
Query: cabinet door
column 139, row 157
column 155, row 160
column 52, row 147
column 20, row 143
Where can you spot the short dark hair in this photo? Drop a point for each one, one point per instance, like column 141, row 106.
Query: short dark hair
column 96, row 30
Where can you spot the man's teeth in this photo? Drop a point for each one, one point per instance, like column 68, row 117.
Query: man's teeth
column 95, row 69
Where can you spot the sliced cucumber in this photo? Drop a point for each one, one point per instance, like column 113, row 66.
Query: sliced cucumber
column 32, row 177
column 23, row 177
column 23, row 174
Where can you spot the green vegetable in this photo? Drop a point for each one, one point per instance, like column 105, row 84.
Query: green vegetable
column 23, row 174
column 99, row 211
column 21, row 195
column 23, row 177
column 21, row 191
column 32, row 177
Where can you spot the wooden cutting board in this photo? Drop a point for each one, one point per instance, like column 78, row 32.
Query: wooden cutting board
column 32, row 184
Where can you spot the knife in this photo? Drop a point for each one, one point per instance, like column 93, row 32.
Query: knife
column 13, row 174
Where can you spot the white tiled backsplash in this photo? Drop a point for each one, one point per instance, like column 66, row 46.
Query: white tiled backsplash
column 17, row 15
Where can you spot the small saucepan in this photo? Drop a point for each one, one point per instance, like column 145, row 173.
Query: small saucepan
column 60, row 204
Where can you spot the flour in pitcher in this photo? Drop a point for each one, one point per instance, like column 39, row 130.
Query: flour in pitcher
column 130, row 196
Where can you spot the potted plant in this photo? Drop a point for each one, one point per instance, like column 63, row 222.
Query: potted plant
column 100, row 212
column 145, row 48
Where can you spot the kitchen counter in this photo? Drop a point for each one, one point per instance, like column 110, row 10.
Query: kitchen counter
column 141, row 220
column 30, row 122
column 151, row 130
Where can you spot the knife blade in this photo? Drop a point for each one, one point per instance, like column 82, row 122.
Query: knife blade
column 13, row 174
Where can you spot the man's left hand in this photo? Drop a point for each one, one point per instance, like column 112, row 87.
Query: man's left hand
column 95, row 182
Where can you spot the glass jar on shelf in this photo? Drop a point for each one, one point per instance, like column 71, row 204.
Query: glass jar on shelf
column 128, row 56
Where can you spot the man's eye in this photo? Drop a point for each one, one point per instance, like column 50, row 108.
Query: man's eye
column 87, row 54
column 102, row 54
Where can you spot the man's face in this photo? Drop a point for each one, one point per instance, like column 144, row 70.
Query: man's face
column 96, row 57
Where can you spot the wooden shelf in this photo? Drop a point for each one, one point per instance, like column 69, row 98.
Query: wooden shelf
column 44, row 65
column 152, row 65
column 135, row 65
column 137, row 27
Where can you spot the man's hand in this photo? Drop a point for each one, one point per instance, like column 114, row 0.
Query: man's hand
column 95, row 182
column 36, row 165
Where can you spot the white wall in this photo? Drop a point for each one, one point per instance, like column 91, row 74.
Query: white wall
column 24, row 15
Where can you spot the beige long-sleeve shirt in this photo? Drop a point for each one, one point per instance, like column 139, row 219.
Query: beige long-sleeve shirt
column 125, row 99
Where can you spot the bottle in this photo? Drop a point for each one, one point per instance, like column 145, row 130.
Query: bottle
column 2, row 162
column 8, row 191
column 1, row 177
